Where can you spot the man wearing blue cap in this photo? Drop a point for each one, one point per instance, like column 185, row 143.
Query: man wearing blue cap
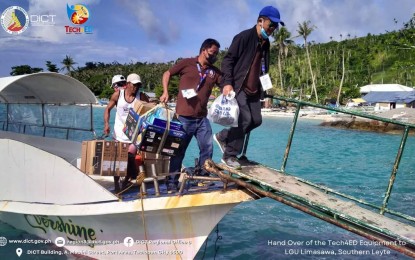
column 246, row 61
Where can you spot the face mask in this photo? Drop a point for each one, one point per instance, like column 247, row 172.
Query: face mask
column 211, row 59
column 263, row 33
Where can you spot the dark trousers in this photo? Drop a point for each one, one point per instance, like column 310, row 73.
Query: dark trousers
column 194, row 127
column 131, row 172
column 249, row 118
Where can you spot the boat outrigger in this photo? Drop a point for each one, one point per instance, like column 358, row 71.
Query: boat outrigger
column 47, row 195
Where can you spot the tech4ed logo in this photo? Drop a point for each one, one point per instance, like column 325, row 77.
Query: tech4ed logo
column 78, row 15
column 14, row 20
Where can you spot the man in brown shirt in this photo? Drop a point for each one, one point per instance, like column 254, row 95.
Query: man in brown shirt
column 198, row 76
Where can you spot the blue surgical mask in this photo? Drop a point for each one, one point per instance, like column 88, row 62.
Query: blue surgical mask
column 264, row 33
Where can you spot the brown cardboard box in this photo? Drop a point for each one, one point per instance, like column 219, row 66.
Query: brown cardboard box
column 94, row 157
column 84, row 149
column 106, row 158
column 141, row 107
column 122, row 159
column 109, row 157
column 160, row 162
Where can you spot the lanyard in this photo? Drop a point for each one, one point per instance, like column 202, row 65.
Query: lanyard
column 202, row 77
column 263, row 66
column 263, row 63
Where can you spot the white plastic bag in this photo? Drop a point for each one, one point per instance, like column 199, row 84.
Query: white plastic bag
column 224, row 111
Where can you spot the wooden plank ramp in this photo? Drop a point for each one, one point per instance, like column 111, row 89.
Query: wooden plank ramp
column 289, row 190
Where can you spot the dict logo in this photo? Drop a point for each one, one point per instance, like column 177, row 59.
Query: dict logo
column 15, row 20
column 78, row 15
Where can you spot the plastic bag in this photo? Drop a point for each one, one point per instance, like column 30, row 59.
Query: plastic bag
column 224, row 111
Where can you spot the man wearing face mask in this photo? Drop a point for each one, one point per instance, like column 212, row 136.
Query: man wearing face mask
column 246, row 61
column 197, row 78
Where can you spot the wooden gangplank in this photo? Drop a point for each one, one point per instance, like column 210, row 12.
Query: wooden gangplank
column 345, row 214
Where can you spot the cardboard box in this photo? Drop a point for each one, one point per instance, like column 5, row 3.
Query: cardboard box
column 151, row 139
column 123, row 159
column 106, row 158
column 84, row 149
column 94, row 157
column 174, row 124
column 160, row 163
column 109, row 157
column 132, row 125
column 141, row 107
column 171, row 145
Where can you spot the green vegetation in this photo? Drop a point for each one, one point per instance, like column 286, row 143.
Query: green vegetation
column 316, row 71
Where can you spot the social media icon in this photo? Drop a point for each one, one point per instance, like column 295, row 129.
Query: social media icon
column 3, row 241
column 59, row 241
column 19, row 252
column 128, row 241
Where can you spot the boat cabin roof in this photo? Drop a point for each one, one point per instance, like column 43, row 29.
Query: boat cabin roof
column 44, row 88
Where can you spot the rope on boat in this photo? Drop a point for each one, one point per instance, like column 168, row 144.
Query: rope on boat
column 139, row 181
column 218, row 237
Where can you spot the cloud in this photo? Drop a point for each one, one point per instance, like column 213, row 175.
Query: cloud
column 164, row 30
column 154, row 28
column 354, row 17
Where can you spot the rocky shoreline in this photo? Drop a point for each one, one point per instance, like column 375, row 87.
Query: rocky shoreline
column 406, row 115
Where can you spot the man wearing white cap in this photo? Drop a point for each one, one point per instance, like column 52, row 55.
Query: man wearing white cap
column 245, row 68
column 118, row 82
column 123, row 100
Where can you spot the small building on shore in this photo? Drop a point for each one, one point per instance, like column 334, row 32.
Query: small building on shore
column 384, row 88
column 388, row 96
column 387, row 100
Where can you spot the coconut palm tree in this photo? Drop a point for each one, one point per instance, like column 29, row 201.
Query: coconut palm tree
column 341, row 81
column 282, row 40
column 51, row 67
column 68, row 63
column 305, row 29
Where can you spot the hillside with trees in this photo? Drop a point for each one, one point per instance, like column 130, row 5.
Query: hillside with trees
column 310, row 71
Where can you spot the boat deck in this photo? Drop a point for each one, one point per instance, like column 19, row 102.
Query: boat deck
column 333, row 209
column 191, row 187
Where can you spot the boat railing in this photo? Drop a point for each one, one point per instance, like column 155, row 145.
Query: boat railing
column 63, row 121
column 42, row 130
column 407, row 126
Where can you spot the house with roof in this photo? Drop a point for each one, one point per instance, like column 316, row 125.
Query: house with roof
column 384, row 88
column 387, row 100
column 388, row 96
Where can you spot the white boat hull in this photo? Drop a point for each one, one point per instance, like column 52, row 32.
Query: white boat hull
column 170, row 227
column 50, row 198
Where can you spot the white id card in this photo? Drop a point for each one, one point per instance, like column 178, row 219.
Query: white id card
column 265, row 82
column 189, row 93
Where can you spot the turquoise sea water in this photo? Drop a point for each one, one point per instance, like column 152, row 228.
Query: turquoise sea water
column 353, row 162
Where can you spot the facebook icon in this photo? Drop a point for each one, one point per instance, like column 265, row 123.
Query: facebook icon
column 128, row 241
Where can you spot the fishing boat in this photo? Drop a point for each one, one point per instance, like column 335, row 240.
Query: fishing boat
column 43, row 118
column 103, row 101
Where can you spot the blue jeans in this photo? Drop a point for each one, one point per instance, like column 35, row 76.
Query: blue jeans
column 201, row 129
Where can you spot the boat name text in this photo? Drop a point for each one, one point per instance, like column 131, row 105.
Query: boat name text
column 71, row 230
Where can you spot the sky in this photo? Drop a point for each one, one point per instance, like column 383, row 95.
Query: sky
column 127, row 31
